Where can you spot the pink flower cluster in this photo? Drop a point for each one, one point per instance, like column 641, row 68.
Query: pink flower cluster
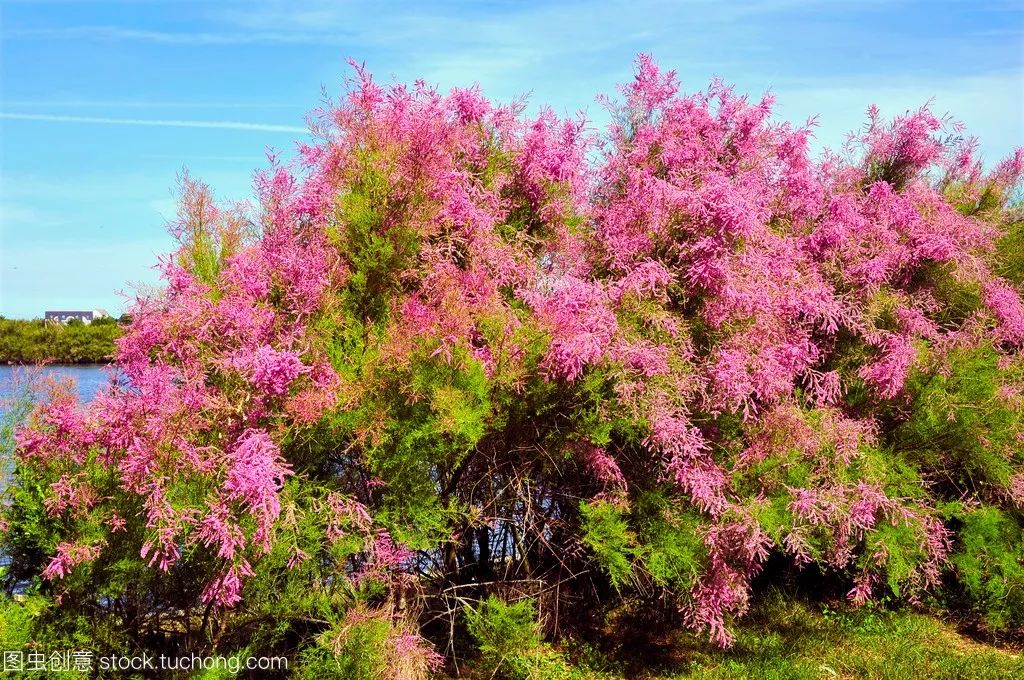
column 270, row 370
column 68, row 556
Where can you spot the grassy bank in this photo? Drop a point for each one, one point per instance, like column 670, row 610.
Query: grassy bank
column 794, row 640
column 784, row 639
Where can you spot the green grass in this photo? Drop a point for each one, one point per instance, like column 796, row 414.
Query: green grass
column 795, row 640
column 783, row 639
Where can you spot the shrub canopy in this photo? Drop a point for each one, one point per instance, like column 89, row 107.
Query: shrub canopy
column 459, row 352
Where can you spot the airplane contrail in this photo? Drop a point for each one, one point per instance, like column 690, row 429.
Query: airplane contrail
column 208, row 124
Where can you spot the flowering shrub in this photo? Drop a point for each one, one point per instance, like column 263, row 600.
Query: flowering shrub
column 456, row 350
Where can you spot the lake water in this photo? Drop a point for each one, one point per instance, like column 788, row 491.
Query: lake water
column 88, row 379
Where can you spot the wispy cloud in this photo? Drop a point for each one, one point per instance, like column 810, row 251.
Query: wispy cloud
column 85, row 103
column 584, row 25
column 208, row 124
column 118, row 33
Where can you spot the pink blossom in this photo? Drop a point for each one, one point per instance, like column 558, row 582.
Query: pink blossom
column 116, row 522
column 225, row 590
column 69, row 555
column 1016, row 490
column 297, row 557
column 269, row 369
column 581, row 323
column 345, row 514
column 603, row 466
column 888, row 374
column 1005, row 303
column 255, row 475
column 384, row 556
column 862, row 589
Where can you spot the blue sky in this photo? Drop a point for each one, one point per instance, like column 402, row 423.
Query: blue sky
column 103, row 103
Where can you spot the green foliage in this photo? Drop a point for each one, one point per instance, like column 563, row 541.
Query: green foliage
column 901, row 548
column 957, row 296
column 511, row 644
column 889, row 469
column 21, row 633
column 435, row 433
column 73, row 343
column 960, row 427
column 374, row 253
column 1010, row 249
column 607, row 534
column 504, row 630
column 785, row 637
column 670, row 546
column 16, row 617
column 209, row 235
column 348, row 650
column 989, row 563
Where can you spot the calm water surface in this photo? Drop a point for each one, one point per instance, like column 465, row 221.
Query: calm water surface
column 88, row 379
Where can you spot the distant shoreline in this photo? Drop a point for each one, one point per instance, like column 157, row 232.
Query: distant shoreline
column 35, row 342
column 54, row 362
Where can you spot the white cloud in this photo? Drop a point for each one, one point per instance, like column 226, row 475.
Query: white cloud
column 88, row 103
column 208, row 124
column 117, row 33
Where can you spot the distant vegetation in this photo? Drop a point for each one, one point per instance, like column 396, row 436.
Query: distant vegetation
column 35, row 341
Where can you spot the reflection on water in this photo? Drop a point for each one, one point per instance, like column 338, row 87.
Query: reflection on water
column 88, row 379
